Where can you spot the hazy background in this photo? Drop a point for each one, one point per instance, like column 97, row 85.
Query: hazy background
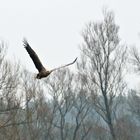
column 53, row 27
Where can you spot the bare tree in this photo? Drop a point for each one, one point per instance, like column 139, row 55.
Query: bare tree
column 135, row 59
column 69, row 106
column 102, row 66
column 9, row 102
column 81, row 112
column 60, row 89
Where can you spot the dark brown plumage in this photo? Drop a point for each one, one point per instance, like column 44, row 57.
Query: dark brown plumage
column 41, row 69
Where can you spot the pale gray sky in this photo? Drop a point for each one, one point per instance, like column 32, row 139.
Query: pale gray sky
column 53, row 27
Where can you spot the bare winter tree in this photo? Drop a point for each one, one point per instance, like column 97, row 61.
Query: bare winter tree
column 134, row 96
column 69, row 107
column 81, row 112
column 61, row 92
column 9, row 102
column 135, row 59
column 102, row 66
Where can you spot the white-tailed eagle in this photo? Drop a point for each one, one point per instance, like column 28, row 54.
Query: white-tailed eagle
column 41, row 69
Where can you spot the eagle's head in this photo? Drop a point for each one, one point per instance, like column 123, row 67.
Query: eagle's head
column 38, row 76
column 43, row 74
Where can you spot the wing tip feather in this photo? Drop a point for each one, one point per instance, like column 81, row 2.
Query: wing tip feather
column 25, row 43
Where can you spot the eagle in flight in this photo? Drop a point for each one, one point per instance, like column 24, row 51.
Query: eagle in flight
column 41, row 69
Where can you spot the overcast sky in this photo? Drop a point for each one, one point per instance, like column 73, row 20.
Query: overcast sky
column 53, row 27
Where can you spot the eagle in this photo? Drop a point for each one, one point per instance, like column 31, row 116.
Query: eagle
column 43, row 72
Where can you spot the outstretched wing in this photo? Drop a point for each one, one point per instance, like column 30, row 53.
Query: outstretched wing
column 33, row 56
column 63, row 66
